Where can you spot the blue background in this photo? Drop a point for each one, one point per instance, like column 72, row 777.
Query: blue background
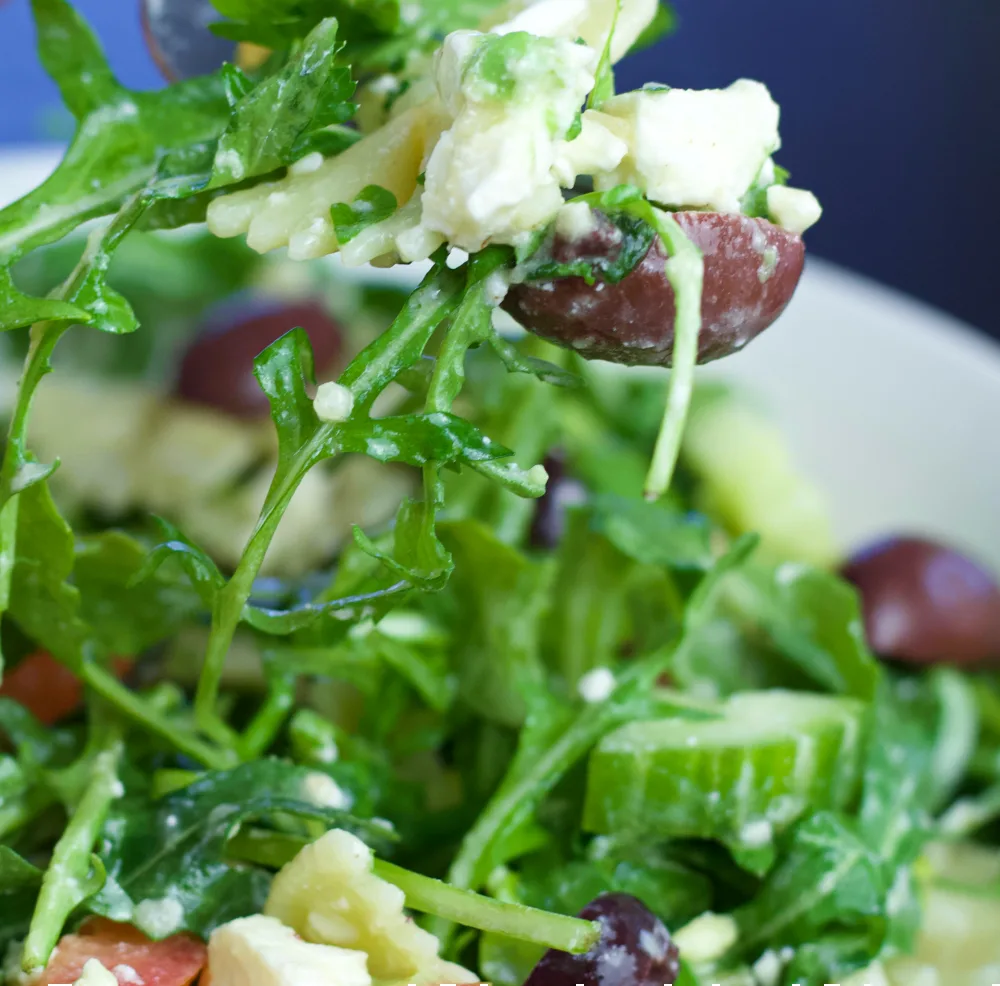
column 891, row 114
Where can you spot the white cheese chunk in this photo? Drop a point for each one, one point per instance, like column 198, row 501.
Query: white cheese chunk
column 497, row 172
column 590, row 20
column 329, row 894
column 94, row 974
column 794, row 209
column 696, row 148
column 333, row 403
column 261, row 951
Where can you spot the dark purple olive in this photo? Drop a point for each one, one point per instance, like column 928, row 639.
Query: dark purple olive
column 178, row 37
column 925, row 603
column 752, row 268
column 562, row 491
column 217, row 367
column 635, row 949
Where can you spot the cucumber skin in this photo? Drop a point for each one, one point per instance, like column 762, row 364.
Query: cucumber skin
column 742, row 796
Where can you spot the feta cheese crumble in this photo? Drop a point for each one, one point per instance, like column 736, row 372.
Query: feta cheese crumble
column 795, row 209
column 159, row 918
column 95, row 974
column 498, row 170
column 597, row 685
column 333, row 403
column 694, row 148
column 261, row 951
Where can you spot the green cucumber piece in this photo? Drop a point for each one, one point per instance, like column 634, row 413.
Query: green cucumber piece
column 742, row 779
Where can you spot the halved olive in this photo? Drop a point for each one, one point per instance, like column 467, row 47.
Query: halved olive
column 217, row 368
column 635, row 949
column 926, row 603
column 179, row 38
column 752, row 268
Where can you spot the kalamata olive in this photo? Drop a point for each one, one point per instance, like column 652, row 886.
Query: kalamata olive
column 179, row 39
column 562, row 491
column 217, row 367
column 926, row 603
column 635, row 949
column 752, row 268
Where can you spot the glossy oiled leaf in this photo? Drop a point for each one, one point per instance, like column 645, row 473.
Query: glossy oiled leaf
column 417, row 439
column 18, row 310
column 271, row 122
column 175, row 847
column 121, row 139
column 284, row 370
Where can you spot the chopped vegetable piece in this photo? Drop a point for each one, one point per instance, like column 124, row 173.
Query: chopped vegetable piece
column 742, row 778
column 128, row 953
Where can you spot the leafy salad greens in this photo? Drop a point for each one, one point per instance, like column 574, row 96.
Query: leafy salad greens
column 537, row 685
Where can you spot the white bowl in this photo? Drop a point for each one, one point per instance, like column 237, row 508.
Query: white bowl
column 888, row 404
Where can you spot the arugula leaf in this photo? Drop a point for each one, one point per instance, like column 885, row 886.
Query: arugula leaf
column 654, row 533
column 814, row 620
column 283, row 370
column 275, row 23
column 827, row 877
column 189, row 829
column 43, row 602
column 16, row 873
column 372, row 205
column 418, row 556
column 517, row 362
column 122, row 135
column 272, row 124
column 18, row 310
column 589, row 623
column 126, row 615
column 498, row 600
column 536, row 262
column 663, row 24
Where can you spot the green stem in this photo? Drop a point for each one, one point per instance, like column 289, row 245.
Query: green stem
column 369, row 373
column 146, row 715
column 8, row 555
column 430, row 896
column 71, row 859
column 522, row 795
column 685, row 271
column 264, row 726
column 44, row 338
column 530, row 924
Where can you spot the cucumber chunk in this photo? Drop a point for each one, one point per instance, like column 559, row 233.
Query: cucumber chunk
column 741, row 779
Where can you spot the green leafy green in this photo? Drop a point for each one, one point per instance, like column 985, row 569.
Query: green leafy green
column 122, row 138
column 828, row 876
column 189, row 829
column 373, row 204
column 272, row 124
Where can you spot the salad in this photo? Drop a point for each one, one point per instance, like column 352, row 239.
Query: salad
column 575, row 686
